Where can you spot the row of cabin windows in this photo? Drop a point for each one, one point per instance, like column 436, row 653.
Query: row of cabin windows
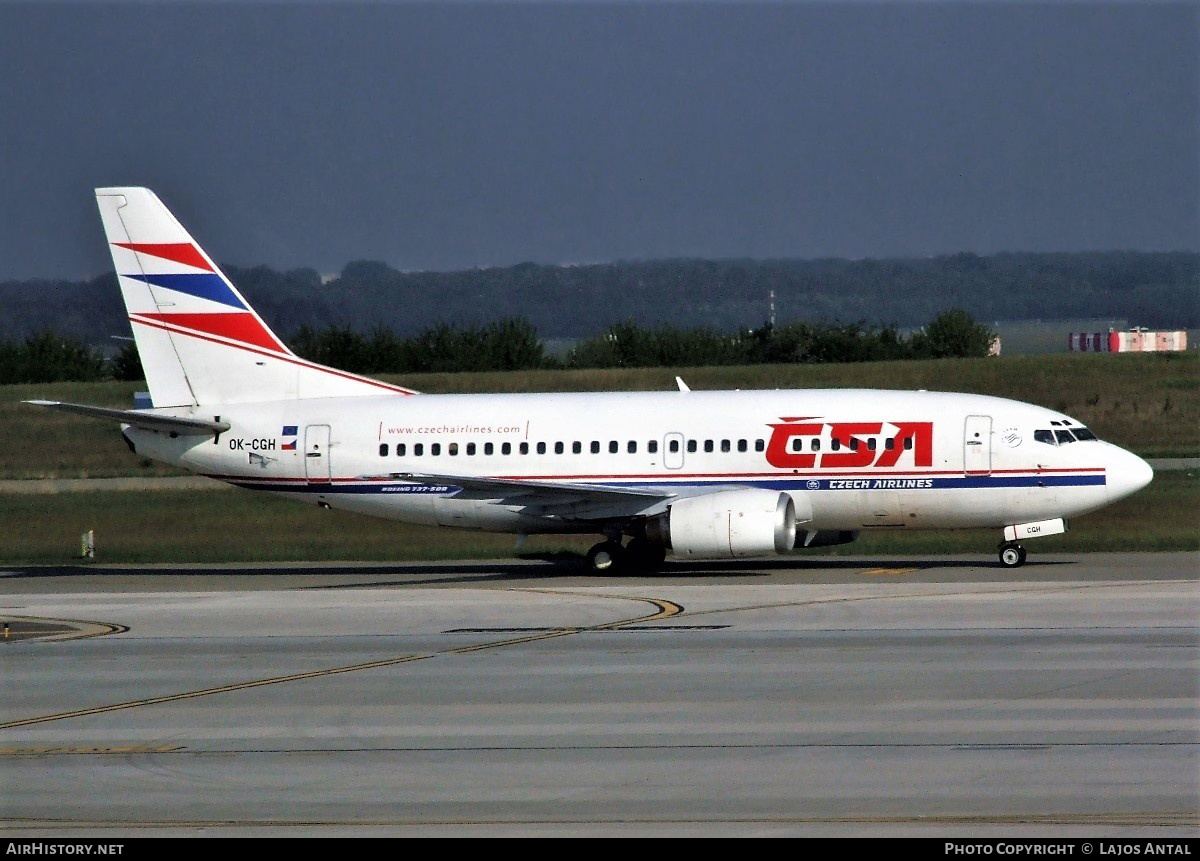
column 889, row 444
column 631, row 447
column 614, row 447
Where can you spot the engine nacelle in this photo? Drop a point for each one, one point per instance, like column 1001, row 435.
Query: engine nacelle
column 727, row 525
column 824, row 537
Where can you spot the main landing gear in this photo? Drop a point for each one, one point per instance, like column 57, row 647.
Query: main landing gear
column 638, row 556
column 606, row 557
column 1012, row 555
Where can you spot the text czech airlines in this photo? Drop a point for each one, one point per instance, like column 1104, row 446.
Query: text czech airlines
column 877, row 483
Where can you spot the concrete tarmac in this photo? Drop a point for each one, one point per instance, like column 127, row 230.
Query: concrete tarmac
column 851, row 697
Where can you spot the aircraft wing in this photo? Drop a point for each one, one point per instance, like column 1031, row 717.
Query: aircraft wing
column 141, row 419
column 546, row 498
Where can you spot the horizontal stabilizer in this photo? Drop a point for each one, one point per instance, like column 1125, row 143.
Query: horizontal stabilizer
column 141, row 419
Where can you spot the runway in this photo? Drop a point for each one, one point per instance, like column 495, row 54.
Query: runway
column 847, row 697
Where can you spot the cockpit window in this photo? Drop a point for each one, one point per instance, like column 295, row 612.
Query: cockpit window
column 1046, row 436
column 1061, row 436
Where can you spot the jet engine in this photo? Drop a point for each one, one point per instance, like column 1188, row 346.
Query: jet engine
column 727, row 524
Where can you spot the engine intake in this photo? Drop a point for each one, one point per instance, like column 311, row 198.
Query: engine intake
column 727, row 524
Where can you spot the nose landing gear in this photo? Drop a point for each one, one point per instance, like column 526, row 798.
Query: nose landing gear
column 1012, row 555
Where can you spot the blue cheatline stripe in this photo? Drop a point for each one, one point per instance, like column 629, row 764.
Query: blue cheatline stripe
column 831, row 484
column 970, row 481
column 206, row 286
column 358, row 488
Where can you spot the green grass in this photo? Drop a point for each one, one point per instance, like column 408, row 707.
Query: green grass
column 230, row 525
column 1148, row 403
column 42, row 443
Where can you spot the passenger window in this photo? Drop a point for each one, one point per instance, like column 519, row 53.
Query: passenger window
column 524, row 448
column 835, row 444
column 613, row 446
column 558, row 448
column 872, row 443
column 435, row 449
column 631, row 447
column 908, row 443
column 470, row 449
column 708, row 445
column 724, row 445
column 652, row 446
column 452, row 449
column 816, row 445
column 674, row 446
column 853, row 443
column 400, row 447
column 506, row 448
column 576, row 447
column 742, row 446
column 488, row 448
column 797, row 444
column 760, row 445
column 890, row 443
column 383, row 450
column 418, row 449
column 691, row 445
column 541, row 448
column 595, row 446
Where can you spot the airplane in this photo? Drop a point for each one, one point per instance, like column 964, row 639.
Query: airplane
column 693, row 474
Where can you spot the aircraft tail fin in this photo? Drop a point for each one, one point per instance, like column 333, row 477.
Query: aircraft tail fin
column 199, row 340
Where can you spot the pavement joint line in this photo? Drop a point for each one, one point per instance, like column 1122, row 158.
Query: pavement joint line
column 663, row 609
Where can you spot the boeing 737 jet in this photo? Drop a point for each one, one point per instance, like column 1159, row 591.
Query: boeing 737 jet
column 695, row 474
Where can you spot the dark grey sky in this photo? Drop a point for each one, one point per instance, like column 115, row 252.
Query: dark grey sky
column 450, row 135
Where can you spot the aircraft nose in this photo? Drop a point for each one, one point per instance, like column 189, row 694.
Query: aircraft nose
column 1127, row 474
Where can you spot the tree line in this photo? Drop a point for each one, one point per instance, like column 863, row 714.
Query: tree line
column 513, row 344
column 953, row 333
column 1158, row 290
column 50, row 358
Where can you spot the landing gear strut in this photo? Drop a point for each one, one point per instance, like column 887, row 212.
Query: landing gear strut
column 1012, row 555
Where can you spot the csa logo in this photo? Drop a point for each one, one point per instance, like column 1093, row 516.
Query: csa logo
column 813, row 484
column 848, row 444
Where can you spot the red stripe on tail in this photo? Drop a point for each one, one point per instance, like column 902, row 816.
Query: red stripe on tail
column 236, row 327
column 179, row 252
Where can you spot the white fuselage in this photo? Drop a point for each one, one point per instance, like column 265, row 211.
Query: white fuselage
column 852, row 459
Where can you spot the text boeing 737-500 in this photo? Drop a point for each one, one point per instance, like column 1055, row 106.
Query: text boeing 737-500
column 700, row 475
